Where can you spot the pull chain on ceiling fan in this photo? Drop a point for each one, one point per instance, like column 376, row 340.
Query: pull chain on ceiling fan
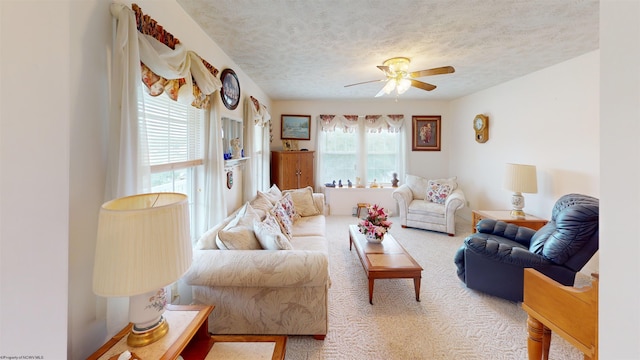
column 400, row 79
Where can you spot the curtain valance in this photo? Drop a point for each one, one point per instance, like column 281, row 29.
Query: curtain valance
column 166, row 66
column 258, row 114
column 372, row 123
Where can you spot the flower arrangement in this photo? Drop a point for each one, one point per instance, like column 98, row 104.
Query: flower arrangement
column 375, row 223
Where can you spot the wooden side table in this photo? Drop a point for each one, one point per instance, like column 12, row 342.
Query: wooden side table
column 188, row 336
column 529, row 221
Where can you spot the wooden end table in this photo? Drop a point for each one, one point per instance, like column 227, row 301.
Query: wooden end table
column 387, row 260
column 529, row 221
column 188, row 336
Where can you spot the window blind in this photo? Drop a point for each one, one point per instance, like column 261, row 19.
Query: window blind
column 174, row 133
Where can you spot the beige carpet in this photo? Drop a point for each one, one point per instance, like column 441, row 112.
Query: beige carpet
column 450, row 321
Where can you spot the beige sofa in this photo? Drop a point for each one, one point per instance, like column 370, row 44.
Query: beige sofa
column 429, row 204
column 266, row 291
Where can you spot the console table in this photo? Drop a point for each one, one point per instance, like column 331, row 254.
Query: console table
column 529, row 221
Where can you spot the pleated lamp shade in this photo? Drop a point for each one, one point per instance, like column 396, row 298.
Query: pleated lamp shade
column 521, row 178
column 143, row 244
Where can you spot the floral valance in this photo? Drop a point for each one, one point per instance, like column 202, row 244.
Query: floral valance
column 372, row 123
column 166, row 66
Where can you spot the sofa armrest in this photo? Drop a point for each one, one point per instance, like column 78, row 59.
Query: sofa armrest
column 455, row 201
column 258, row 268
column 318, row 199
column 403, row 196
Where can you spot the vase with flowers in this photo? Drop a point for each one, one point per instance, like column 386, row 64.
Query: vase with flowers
column 375, row 225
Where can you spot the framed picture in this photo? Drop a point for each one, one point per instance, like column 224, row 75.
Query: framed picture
column 290, row 145
column 230, row 91
column 295, row 127
column 425, row 133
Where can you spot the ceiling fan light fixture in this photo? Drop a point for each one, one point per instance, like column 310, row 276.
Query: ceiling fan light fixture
column 403, row 85
column 388, row 88
column 397, row 65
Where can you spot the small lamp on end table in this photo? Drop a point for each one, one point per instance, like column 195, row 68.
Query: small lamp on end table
column 520, row 179
column 143, row 245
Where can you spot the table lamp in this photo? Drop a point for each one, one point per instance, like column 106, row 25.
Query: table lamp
column 520, row 179
column 143, row 245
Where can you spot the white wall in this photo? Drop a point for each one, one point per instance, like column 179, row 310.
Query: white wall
column 549, row 119
column 35, row 119
column 619, row 240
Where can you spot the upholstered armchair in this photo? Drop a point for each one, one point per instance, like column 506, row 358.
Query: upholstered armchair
column 429, row 204
column 493, row 259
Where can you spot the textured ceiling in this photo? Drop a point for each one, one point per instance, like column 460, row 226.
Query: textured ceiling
column 310, row 49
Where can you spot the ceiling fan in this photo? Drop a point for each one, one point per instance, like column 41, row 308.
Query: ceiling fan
column 400, row 79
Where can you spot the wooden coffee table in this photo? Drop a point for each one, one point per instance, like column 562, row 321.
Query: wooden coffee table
column 388, row 260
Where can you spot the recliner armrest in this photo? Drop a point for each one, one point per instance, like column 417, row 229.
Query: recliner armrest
column 519, row 234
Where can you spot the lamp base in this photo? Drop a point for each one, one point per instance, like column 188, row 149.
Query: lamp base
column 518, row 214
column 138, row 338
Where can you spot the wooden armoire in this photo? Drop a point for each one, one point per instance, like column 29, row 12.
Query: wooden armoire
column 292, row 169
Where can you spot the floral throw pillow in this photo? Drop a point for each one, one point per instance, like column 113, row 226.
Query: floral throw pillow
column 280, row 214
column 289, row 207
column 438, row 191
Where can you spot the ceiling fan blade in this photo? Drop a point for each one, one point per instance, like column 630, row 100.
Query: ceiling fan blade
column 434, row 71
column 365, row 82
column 422, row 85
column 384, row 69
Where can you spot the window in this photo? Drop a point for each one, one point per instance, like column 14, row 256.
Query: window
column 369, row 150
column 175, row 139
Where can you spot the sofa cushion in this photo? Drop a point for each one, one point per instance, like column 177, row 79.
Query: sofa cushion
column 269, row 234
column 438, row 191
column 309, row 226
column 261, row 204
column 418, row 185
column 303, row 201
column 426, row 208
column 310, row 243
column 273, row 194
column 238, row 233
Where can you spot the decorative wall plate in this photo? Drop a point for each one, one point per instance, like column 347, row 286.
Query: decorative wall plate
column 230, row 91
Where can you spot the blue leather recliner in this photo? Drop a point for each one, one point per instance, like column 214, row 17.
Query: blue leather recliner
column 493, row 259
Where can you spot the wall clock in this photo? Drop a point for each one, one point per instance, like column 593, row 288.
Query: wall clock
column 481, row 127
column 230, row 91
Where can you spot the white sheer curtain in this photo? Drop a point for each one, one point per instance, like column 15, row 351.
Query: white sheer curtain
column 214, row 194
column 128, row 162
column 128, row 171
column 256, row 171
